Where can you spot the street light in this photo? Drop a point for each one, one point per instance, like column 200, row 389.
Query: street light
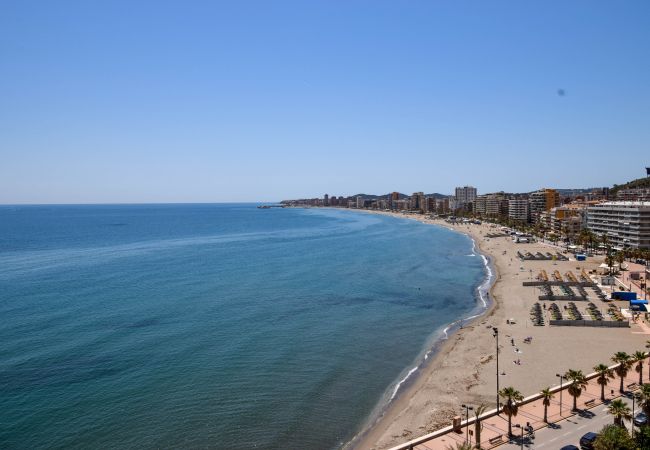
column 467, row 410
column 561, row 379
column 495, row 330
column 633, row 397
column 522, row 434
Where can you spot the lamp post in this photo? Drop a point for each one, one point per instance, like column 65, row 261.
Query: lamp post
column 561, row 379
column 522, row 434
column 633, row 397
column 495, row 330
column 467, row 410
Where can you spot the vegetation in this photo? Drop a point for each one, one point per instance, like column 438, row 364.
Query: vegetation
column 624, row 362
column 510, row 408
column 639, row 357
column 547, row 395
column 621, row 412
column 577, row 383
column 642, row 437
column 643, row 396
column 478, row 426
column 614, row 437
column 639, row 183
column 604, row 375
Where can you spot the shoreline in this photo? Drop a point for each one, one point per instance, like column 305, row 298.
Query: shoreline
column 440, row 342
column 463, row 367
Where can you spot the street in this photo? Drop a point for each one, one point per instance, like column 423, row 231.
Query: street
column 568, row 431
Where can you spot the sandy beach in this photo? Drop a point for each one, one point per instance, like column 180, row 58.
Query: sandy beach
column 464, row 369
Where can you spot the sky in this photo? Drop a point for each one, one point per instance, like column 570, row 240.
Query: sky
column 190, row 101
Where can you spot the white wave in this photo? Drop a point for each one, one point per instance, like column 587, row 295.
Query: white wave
column 410, row 372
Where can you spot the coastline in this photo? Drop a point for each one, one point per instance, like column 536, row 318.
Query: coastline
column 462, row 368
column 443, row 343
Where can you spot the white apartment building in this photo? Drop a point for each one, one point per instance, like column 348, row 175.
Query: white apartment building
column 464, row 196
column 626, row 224
column 518, row 209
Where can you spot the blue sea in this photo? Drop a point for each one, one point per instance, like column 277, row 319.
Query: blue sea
column 216, row 326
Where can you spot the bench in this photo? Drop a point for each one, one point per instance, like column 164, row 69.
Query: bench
column 496, row 439
column 591, row 402
column 632, row 386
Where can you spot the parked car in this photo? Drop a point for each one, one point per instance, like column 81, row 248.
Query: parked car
column 570, row 447
column 640, row 419
column 587, row 441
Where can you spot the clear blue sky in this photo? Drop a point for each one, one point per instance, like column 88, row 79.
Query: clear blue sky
column 213, row 101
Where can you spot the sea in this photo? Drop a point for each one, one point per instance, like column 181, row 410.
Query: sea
column 220, row 326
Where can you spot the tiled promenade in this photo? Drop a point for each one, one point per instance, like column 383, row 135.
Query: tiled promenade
column 497, row 425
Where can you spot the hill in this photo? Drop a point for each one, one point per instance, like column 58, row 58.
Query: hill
column 639, row 183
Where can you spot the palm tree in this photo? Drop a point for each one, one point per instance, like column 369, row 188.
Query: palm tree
column 604, row 375
column 624, row 361
column 638, row 357
column 478, row 427
column 547, row 395
column 510, row 408
column 621, row 412
column 577, row 383
column 643, row 396
column 647, row 345
column 609, row 260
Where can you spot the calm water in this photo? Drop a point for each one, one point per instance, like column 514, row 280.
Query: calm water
column 214, row 326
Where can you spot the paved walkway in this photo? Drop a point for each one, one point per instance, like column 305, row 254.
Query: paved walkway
column 495, row 428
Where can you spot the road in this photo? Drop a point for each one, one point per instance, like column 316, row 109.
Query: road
column 568, row 431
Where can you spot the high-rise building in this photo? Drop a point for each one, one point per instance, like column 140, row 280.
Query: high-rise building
column 326, row 200
column 543, row 200
column 465, row 196
column 626, row 224
column 417, row 201
column 518, row 209
column 360, row 200
column 492, row 205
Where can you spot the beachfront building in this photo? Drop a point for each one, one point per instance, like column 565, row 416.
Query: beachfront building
column 518, row 209
column 626, row 224
column 567, row 220
column 542, row 200
column 417, row 199
column 442, row 205
column 393, row 198
column 479, row 205
column 465, row 196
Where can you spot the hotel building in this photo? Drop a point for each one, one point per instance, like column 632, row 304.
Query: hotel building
column 465, row 196
column 518, row 209
column 626, row 224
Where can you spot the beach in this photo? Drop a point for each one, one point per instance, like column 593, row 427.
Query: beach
column 463, row 371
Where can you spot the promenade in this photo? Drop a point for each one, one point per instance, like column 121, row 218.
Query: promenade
column 495, row 427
